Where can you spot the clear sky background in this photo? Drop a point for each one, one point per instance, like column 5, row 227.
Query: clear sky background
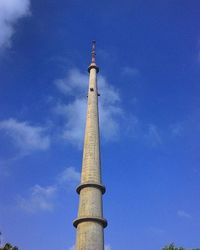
column 149, row 58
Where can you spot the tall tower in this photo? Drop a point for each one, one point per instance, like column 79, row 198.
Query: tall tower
column 90, row 222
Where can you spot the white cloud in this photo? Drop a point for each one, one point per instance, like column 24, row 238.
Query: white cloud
column 130, row 71
column 108, row 247
column 176, row 129
column 25, row 136
column 183, row 214
column 72, row 247
column 74, row 114
column 69, row 176
column 10, row 12
column 76, row 85
column 40, row 198
column 109, row 121
column 111, row 114
column 153, row 137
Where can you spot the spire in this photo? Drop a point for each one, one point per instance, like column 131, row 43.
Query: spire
column 93, row 52
column 93, row 62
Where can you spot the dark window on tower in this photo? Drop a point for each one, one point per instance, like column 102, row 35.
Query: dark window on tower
column 91, row 89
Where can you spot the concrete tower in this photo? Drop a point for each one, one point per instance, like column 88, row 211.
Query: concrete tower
column 90, row 222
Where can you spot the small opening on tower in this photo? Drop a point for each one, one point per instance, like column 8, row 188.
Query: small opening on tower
column 91, row 89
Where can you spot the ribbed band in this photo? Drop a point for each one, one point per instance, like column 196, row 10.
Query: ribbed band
column 94, row 219
column 93, row 66
column 90, row 184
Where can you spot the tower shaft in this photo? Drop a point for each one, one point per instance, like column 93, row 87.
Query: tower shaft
column 90, row 221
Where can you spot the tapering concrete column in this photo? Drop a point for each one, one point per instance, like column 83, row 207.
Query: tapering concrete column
column 90, row 222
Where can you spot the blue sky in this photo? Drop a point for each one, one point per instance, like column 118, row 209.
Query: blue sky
column 149, row 58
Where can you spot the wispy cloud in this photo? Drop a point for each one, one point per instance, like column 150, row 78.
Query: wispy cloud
column 25, row 137
column 152, row 135
column 42, row 198
column 72, row 247
column 74, row 115
column 177, row 129
column 130, row 71
column 114, row 120
column 76, row 85
column 108, row 247
column 183, row 214
column 10, row 12
column 69, row 176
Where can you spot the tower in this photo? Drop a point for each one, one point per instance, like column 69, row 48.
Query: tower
column 90, row 222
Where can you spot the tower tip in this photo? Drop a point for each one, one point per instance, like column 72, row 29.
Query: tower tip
column 93, row 51
column 93, row 62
